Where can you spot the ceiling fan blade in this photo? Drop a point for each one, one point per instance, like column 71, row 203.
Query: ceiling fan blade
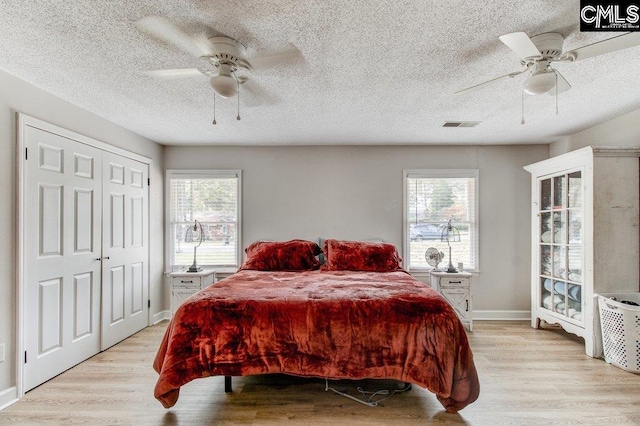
column 620, row 42
column 562, row 84
column 255, row 95
column 510, row 75
column 164, row 30
column 521, row 45
column 290, row 55
column 204, row 45
column 174, row 73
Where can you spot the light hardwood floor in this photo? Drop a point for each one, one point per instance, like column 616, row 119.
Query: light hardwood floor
column 538, row 377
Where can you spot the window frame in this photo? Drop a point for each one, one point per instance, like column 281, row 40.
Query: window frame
column 440, row 173
column 201, row 174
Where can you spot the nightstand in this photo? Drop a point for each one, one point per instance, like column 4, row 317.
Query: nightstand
column 184, row 284
column 456, row 288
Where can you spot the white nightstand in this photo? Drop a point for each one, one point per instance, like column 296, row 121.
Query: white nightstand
column 184, row 284
column 456, row 288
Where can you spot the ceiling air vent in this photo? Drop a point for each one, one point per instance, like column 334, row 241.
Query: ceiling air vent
column 461, row 124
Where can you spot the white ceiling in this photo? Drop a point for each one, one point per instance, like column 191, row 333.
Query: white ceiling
column 374, row 72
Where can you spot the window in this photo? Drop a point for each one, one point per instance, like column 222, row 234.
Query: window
column 431, row 199
column 212, row 198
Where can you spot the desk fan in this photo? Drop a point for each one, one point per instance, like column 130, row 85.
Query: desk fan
column 433, row 256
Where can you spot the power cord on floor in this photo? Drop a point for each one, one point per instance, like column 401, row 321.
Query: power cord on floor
column 368, row 396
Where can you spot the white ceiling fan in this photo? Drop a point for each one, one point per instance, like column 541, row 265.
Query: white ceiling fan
column 539, row 52
column 227, row 65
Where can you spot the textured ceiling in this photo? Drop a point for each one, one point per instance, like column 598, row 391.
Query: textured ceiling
column 374, row 72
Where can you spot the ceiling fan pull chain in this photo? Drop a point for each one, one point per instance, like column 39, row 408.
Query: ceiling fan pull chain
column 214, row 122
column 238, row 117
column 522, row 121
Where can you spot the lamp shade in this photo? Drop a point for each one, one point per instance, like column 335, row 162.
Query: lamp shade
column 224, row 85
column 450, row 234
column 540, row 82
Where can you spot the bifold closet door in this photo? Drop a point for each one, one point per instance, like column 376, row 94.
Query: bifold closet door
column 62, row 251
column 125, row 248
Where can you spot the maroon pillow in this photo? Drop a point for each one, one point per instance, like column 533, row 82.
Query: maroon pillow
column 294, row 255
column 360, row 256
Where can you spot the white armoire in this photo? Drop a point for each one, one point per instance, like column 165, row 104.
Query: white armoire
column 585, row 207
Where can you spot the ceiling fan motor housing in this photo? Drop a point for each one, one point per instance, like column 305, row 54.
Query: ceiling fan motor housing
column 227, row 51
column 548, row 44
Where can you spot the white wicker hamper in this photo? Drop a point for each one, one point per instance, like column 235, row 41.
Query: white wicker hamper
column 620, row 324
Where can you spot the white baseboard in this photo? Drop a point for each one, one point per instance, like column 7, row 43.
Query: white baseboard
column 501, row 315
column 8, row 397
column 161, row 316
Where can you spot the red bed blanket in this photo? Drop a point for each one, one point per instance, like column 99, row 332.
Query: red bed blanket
column 327, row 324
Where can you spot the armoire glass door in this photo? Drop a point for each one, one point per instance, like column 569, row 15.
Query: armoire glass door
column 561, row 244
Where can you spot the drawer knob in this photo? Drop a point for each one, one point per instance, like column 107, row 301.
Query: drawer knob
column 455, row 282
column 183, row 281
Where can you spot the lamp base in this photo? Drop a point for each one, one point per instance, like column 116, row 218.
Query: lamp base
column 451, row 269
column 194, row 266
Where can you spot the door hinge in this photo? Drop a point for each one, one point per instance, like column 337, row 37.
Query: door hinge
column 26, row 153
column 148, row 181
column 25, row 357
column 149, row 303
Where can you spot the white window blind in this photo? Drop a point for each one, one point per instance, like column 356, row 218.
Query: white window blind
column 432, row 198
column 213, row 199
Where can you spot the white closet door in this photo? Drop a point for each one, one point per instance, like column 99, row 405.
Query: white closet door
column 125, row 248
column 62, row 245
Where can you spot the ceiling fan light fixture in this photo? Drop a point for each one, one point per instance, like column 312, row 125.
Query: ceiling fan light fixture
column 224, row 85
column 539, row 83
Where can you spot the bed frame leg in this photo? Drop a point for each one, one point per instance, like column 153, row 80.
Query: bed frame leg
column 227, row 384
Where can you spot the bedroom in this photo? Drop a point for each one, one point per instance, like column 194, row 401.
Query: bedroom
column 321, row 178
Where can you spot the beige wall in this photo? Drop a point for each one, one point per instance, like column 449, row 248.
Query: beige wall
column 623, row 131
column 19, row 96
column 355, row 192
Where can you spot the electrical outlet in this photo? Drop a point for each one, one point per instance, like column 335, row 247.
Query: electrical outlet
column 2, row 352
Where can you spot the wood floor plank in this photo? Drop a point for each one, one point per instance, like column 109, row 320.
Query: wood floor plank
column 528, row 377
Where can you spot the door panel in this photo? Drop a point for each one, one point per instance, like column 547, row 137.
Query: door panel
column 137, row 221
column 83, row 210
column 51, row 213
column 126, row 253
column 62, row 245
column 117, row 221
column 50, row 318
column 83, row 290
column 137, row 287
column 117, row 294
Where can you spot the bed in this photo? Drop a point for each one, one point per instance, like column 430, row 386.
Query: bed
column 360, row 315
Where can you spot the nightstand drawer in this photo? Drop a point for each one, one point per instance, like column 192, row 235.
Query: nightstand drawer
column 186, row 282
column 454, row 282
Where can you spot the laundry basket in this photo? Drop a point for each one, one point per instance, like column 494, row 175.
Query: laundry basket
column 620, row 324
